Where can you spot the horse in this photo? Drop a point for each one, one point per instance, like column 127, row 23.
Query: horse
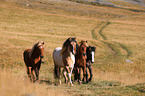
column 80, row 62
column 65, row 58
column 90, row 59
column 33, row 59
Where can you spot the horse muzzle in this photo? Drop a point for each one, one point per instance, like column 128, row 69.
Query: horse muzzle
column 92, row 61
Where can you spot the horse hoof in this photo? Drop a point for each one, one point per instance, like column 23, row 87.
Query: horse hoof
column 90, row 80
column 60, row 82
column 56, row 84
column 79, row 82
column 87, row 81
column 75, row 80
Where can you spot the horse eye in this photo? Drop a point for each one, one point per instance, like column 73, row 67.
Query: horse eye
column 71, row 45
column 82, row 48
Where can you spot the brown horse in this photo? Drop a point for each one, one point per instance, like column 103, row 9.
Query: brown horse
column 81, row 62
column 65, row 58
column 32, row 59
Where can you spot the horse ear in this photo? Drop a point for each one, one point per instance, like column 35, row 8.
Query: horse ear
column 94, row 47
column 86, row 43
column 74, row 38
column 70, row 39
column 43, row 42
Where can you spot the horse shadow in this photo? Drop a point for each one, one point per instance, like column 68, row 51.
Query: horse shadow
column 43, row 81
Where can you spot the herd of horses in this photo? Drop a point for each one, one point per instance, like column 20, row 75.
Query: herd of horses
column 71, row 57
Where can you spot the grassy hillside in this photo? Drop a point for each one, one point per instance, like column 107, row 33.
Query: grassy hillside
column 117, row 33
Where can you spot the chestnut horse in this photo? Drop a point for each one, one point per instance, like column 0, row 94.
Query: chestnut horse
column 32, row 59
column 65, row 58
column 80, row 62
column 90, row 59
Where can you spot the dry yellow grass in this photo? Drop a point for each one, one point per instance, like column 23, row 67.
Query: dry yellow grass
column 18, row 85
column 119, row 38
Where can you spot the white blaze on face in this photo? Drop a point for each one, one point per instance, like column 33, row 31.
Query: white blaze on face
column 41, row 46
column 93, row 53
column 73, row 49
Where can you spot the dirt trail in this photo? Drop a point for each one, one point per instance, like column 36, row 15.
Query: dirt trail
column 98, row 35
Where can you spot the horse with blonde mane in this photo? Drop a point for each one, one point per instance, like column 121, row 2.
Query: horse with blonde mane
column 32, row 59
column 65, row 58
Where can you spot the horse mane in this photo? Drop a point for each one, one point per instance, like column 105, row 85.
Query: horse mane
column 84, row 42
column 66, row 43
column 92, row 47
column 33, row 49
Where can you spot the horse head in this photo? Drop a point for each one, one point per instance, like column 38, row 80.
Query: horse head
column 37, row 50
column 91, row 53
column 40, row 48
column 72, row 45
column 83, row 47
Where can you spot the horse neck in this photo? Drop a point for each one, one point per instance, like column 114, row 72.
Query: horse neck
column 79, row 54
column 79, row 51
column 35, row 54
column 88, row 58
column 69, row 53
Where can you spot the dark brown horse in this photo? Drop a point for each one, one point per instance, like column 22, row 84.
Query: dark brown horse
column 90, row 60
column 32, row 59
column 65, row 58
column 80, row 62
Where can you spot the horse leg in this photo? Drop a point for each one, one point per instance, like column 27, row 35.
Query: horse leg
column 79, row 75
column 84, row 74
column 75, row 74
column 29, row 72
column 65, row 75
column 32, row 73
column 37, row 73
column 57, row 73
column 91, row 75
column 69, row 74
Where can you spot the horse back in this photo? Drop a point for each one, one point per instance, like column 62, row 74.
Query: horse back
column 26, row 57
column 57, row 57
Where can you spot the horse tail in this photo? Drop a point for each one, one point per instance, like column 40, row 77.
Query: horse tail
column 57, row 68
column 56, row 72
column 24, row 55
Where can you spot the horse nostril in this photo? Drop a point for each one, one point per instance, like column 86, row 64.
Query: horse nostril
column 41, row 56
column 84, row 54
column 74, row 53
